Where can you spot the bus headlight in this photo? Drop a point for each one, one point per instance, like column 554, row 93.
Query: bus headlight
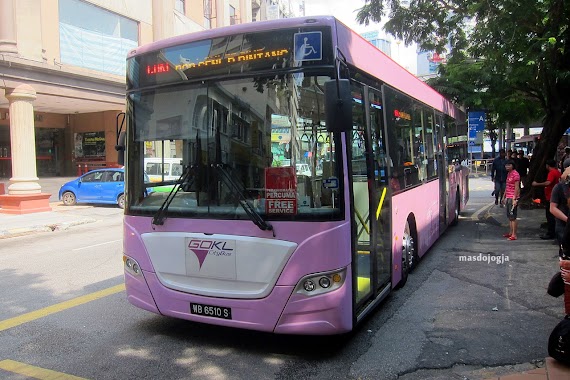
column 320, row 283
column 132, row 266
column 309, row 285
column 324, row 282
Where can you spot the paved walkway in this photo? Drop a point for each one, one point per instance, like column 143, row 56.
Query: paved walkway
column 62, row 217
column 552, row 371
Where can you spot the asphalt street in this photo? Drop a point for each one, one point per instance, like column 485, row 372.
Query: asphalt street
column 455, row 319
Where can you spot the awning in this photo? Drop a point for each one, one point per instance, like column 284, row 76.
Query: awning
column 527, row 138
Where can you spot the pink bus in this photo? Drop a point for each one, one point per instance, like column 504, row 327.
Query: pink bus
column 315, row 176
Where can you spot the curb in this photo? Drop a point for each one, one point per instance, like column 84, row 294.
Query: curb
column 20, row 231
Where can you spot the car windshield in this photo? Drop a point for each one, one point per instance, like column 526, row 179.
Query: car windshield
column 267, row 135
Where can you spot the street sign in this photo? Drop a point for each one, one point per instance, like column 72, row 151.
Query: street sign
column 477, row 120
column 308, row 46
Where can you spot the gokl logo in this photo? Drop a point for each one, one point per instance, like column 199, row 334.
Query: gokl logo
column 203, row 248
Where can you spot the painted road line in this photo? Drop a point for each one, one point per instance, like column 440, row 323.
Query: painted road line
column 35, row 372
column 485, row 208
column 96, row 245
column 31, row 316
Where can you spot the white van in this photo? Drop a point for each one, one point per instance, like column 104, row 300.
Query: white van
column 156, row 168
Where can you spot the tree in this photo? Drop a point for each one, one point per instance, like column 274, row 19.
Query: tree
column 508, row 56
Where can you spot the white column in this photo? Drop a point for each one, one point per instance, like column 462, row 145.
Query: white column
column 8, row 28
column 24, row 179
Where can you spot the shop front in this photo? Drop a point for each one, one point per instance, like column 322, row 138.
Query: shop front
column 50, row 145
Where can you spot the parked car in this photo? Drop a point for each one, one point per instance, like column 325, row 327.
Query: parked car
column 105, row 186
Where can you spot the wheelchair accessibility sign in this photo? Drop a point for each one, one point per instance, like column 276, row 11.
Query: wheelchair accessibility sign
column 308, row 46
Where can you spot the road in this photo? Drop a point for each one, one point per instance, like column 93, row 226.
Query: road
column 453, row 319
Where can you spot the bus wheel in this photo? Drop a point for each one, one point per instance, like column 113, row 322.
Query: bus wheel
column 456, row 212
column 407, row 254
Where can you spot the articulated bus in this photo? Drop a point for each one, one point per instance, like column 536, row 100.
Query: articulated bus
column 315, row 176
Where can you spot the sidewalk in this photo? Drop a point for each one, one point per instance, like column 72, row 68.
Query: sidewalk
column 60, row 218
column 529, row 221
column 552, row 371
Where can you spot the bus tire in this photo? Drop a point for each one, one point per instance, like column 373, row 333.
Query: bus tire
column 414, row 242
column 456, row 211
column 407, row 254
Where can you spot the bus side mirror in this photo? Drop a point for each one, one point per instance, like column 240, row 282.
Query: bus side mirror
column 120, row 148
column 338, row 105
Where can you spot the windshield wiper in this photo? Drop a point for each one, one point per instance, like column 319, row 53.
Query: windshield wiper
column 185, row 183
column 238, row 192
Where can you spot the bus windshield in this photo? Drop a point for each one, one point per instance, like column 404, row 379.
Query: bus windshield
column 257, row 140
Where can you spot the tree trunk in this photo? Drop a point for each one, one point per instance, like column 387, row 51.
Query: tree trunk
column 555, row 124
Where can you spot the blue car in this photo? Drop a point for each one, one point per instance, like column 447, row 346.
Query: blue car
column 97, row 186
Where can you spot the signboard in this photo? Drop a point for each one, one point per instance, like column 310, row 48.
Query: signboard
column 308, row 46
column 90, row 144
column 476, row 122
column 280, row 191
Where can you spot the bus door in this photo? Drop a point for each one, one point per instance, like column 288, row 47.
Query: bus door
column 371, row 263
column 442, row 173
column 380, row 205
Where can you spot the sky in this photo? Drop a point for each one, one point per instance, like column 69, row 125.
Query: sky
column 345, row 11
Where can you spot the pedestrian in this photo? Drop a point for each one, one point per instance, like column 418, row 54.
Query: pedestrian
column 558, row 203
column 552, row 179
column 564, row 158
column 522, row 167
column 511, row 199
column 524, row 163
column 499, row 176
column 564, row 256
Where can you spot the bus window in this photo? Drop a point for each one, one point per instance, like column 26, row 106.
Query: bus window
column 430, row 141
column 403, row 142
column 231, row 144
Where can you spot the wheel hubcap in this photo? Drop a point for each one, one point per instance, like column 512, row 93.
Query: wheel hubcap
column 407, row 250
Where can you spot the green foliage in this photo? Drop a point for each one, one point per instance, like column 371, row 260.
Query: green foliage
column 509, row 57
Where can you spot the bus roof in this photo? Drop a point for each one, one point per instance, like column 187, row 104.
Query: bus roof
column 358, row 52
column 362, row 54
column 251, row 27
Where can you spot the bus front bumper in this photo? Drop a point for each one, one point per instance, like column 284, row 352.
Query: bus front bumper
column 280, row 312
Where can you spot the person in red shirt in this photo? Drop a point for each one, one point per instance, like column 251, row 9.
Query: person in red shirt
column 511, row 199
column 552, row 179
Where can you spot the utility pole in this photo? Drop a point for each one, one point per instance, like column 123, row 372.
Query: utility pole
column 508, row 137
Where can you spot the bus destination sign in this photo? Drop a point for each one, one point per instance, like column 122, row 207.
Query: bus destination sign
column 235, row 54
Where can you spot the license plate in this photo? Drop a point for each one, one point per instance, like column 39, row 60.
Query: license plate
column 211, row 311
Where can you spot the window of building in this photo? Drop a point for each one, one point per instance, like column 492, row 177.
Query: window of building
column 208, row 14
column 233, row 20
column 180, row 6
column 94, row 38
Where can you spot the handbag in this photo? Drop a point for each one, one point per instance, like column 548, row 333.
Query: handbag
column 556, row 285
column 559, row 341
